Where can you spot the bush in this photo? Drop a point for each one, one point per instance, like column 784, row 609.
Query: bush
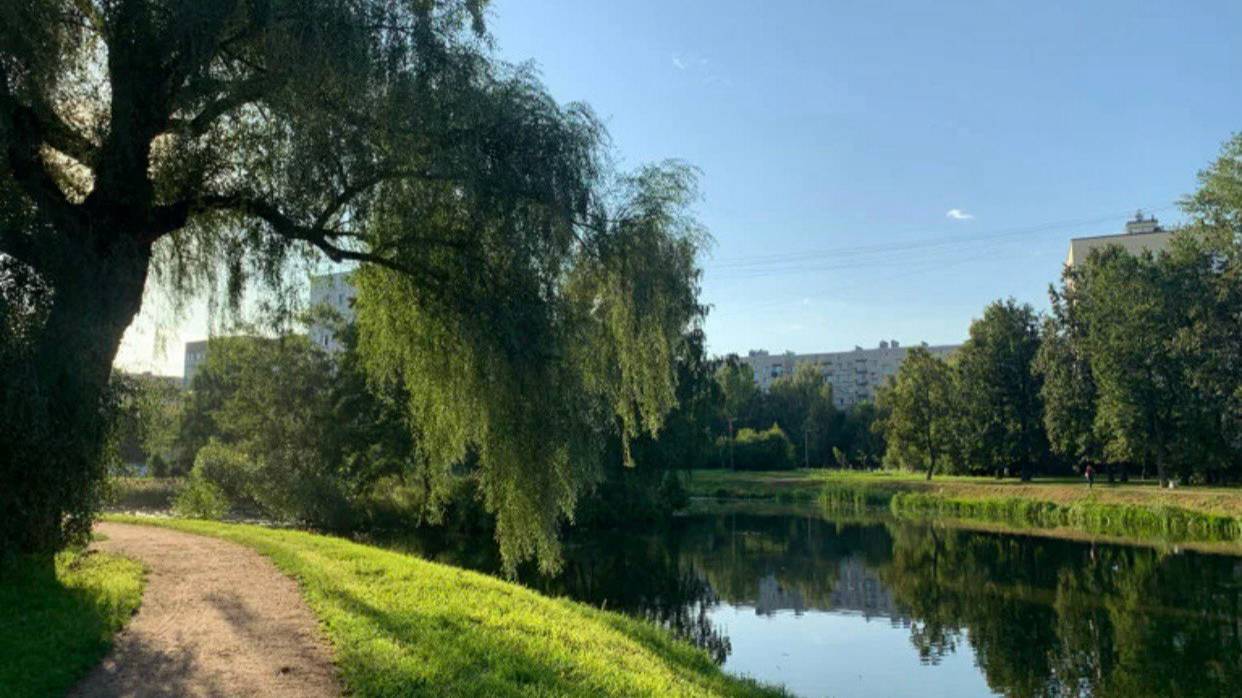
column 157, row 466
column 763, row 450
column 227, row 468
column 201, row 499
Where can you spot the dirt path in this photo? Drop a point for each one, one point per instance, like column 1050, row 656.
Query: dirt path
column 217, row 619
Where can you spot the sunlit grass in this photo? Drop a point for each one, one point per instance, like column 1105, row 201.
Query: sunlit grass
column 403, row 626
column 1139, row 509
column 58, row 616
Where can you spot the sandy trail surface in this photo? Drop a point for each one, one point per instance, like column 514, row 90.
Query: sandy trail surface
column 217, row 619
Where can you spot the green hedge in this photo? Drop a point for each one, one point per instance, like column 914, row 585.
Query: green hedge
column 770, row 449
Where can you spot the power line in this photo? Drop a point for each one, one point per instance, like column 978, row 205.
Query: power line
column 840, row 257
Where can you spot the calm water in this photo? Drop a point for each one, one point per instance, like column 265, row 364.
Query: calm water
column 897, row 609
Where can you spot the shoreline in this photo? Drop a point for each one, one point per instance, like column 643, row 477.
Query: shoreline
column 1131, row 512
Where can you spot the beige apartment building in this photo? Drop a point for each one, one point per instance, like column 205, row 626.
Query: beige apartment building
column 1141, row 235
column 854, row 375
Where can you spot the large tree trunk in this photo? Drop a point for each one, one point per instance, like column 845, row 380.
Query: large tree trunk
column 57, row 407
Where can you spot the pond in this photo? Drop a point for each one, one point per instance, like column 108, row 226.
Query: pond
column 891, row 608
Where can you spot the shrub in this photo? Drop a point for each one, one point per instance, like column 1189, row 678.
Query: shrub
column 157, row 466
column 227, row 469
column 201, row 499
column 763, row 450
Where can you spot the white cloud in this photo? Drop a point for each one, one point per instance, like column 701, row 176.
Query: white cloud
column 958, row 214
column 695, row 64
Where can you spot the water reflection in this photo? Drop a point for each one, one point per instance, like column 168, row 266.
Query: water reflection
column 809, row 602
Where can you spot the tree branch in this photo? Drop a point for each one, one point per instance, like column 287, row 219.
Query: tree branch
column 24, row 134
column 235, row 95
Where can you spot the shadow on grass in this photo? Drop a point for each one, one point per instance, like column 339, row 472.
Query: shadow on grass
column 57, row 618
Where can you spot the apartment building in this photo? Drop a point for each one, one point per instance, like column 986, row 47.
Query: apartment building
column 332, row 290
column 195, row 355
column 337, row 292
column 854, row 375
column 1141, row 235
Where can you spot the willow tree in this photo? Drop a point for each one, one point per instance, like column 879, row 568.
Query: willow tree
column 529, row 298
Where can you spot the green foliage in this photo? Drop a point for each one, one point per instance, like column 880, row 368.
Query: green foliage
column 148, row 414
column 530, row 298
column 263, row 410
column 53, row 458
column 201, row 498
column 738, row 389
column 1068, row 388
column 769, row 449
column 802, row 403
column 403, row 626
column 545, row 345
column 650, row 487
column 58, row 616
column 919, row 415
column 228, row 469
column 368, row 435
column 1001, row 412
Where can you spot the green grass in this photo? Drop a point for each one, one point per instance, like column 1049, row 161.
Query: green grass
column 1129, row 520
column 403, row 626
column 58, row 616
column 1132, row 510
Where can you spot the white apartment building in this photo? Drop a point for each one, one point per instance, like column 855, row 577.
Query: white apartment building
column 854, row 375
column 1141, row 235
column 332, row 290
column 336, row 292
column 195, row 355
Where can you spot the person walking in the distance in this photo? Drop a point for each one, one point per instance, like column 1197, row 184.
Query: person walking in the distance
column 1089, row 473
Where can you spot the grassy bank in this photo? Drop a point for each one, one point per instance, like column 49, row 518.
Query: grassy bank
column 402, row 626
column 143, row 493
column 1140, row 510
column 58, row 616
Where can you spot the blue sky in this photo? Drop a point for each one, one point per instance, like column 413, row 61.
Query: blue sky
column 835, row 137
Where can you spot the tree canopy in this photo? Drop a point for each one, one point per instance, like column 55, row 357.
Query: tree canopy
column 917, row 405
column 530, row 297
column 999, row 393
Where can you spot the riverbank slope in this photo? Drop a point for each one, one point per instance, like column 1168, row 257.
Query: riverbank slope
column 400, row 625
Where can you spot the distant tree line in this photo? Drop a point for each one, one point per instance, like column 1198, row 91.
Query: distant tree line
column 1138, row 365
column 793, row 424
column 1136, row 369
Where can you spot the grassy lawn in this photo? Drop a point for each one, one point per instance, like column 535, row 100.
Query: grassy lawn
column 402, row 626
column 1132, row 509
column 58, row 616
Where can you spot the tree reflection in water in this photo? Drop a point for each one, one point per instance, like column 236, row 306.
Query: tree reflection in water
column 1044, row 617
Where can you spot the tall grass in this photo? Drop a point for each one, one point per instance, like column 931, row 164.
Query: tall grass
column 1134, row 520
